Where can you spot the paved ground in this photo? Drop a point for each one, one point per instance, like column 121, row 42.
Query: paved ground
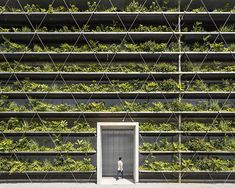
column 93, row 185
column 113, row 181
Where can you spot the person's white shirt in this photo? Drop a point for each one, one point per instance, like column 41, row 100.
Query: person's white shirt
column 120, row 165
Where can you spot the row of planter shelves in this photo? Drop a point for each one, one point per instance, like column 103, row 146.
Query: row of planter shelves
column 75, row 176
column 118, row 114
column 188, row 152
column 116, row 36
column 192, row 133
column 53, row 153
column 144, row 133
column 187, row 177
column 117, row 56
column 48, row 176
column 42, row 133
column 83, row 17
column 161, row 176
column 141, row 171
column 118, row 75
column 177, row 26
column 148, row 171
column 123, row 95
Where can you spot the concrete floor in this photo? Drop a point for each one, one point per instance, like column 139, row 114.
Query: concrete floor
column 113, row 181
column 93, row 185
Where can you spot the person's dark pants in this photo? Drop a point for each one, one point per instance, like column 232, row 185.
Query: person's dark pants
column 119, row 174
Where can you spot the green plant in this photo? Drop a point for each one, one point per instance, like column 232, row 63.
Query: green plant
column 175, row 105
column 151, row 164
column 26, row 144
column 222, row 144
column 94, row 46
column 164, row 67
column 227, row 28
column 194, row 144
column 152, row 46
column 92, row 6
column 135, row 6
column 59, row 164
column 16, row 125
column 33, row 8
column 95, row 86
column 199, row 9
column 169, row 85
column 214, row 126
column 208, row 66
column 155, row 7
column 208, row 46
column 6, row 145
column 162, row 145
column 197, row 27
column 152, row 126
column 114, row 27
column 212, row 164
column 200, row 85
column 9, row 46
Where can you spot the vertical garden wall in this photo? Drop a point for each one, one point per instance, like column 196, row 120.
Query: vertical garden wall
column 66, row 65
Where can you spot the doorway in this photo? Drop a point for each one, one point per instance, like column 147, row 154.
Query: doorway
column 117, row 143
column 114, row 140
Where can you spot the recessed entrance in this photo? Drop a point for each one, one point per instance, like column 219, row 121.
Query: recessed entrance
column 117, row 139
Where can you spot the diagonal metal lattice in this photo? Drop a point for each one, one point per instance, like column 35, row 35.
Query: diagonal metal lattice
column 150, row 75
column 201, row 64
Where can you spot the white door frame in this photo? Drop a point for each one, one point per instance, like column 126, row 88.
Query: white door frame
column 118, row 125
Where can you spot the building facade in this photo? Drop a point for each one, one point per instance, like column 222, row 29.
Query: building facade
column 84, row 83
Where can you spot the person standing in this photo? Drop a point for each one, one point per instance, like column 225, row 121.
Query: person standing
column 120, row 168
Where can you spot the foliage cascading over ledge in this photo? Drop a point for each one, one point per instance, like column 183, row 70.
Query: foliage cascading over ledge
column 26, row 144
column 175, row 105
column 14, row 124
column 173, row 84
column 132, row 6
column 189, row 165
column 59, row 164
column 194, row 144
